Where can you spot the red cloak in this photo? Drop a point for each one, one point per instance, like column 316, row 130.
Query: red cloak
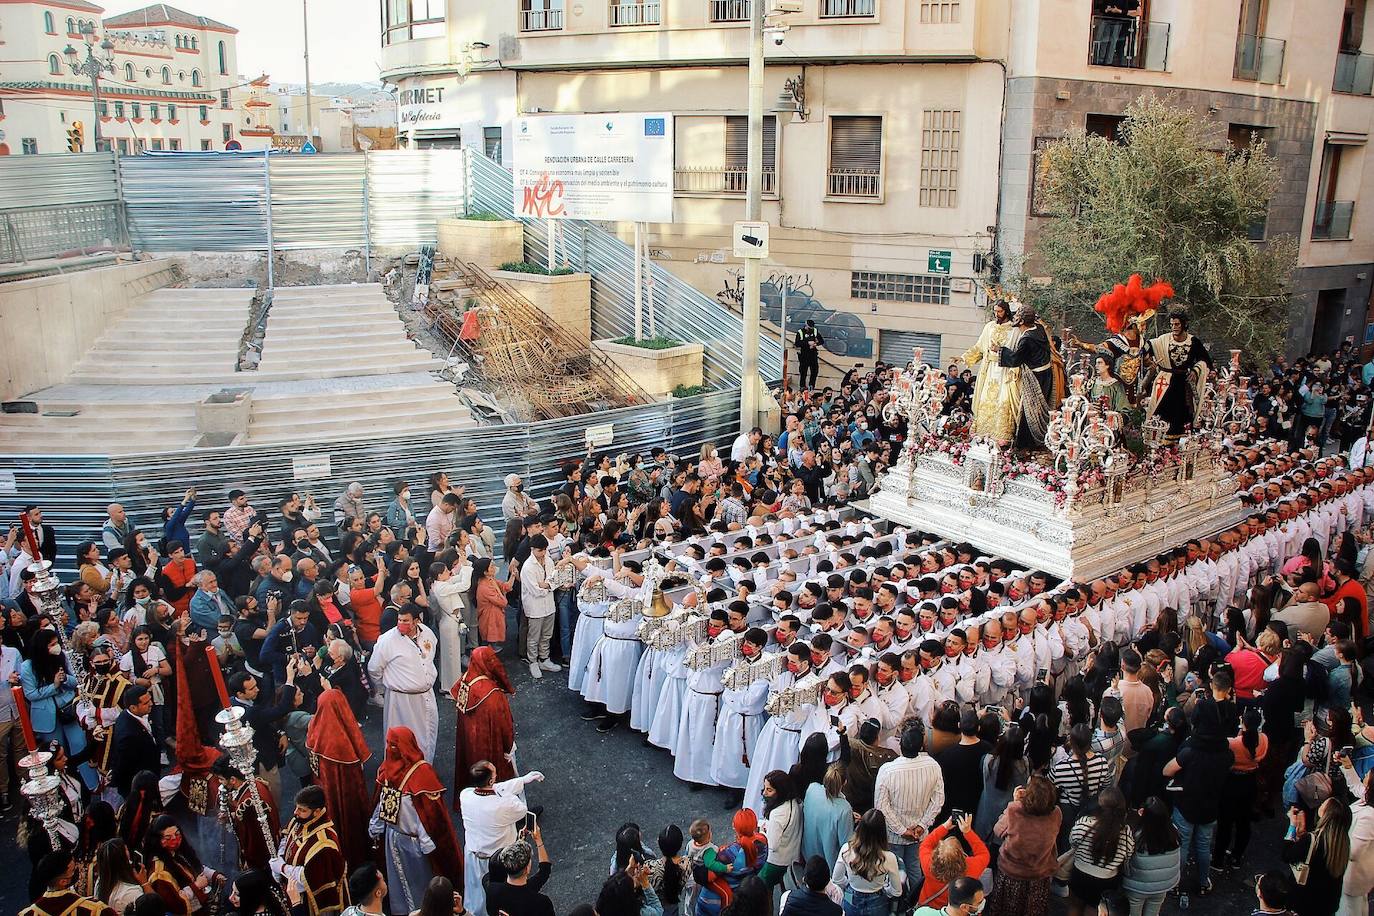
column 405, row 768
column 337, row 751
column 194, row 758
column 486, row 728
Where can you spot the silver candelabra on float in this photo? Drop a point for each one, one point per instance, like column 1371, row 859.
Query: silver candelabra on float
column 1080, row 435
column 1226, row 401
column 237, row 742
column 918, row 394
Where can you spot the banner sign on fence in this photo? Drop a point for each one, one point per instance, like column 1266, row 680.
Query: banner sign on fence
column 595, row 166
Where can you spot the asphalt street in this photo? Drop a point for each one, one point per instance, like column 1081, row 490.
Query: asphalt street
column 595, row 783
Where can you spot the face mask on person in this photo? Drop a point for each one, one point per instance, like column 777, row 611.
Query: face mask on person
column 952, row 651
column 287, row 576
column 884, row 677
column 55, row 649
column 832, row 700
column 143, row 601
column 172, row 844
column 405, row 496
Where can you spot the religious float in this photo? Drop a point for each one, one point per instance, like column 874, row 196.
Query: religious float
column 1101, row 488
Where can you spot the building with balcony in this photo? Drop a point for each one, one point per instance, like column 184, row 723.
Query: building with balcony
column 880, row 149
column 1291, row 72
column 170, row 89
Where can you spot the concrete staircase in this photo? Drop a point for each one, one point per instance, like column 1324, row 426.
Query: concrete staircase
column 337, row 331
column 336, row 364
column 170, row 336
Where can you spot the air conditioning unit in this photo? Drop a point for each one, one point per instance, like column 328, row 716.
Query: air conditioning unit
column 785, row 6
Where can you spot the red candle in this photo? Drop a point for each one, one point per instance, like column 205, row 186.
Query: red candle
column 23, row 706
column 218, row 676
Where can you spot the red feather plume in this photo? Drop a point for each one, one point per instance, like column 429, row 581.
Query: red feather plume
column 1130, row 299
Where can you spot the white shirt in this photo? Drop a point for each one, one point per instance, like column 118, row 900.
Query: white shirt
column 536, row 587
column 489, row 821
column 405, row 664
column 450, row 592
column 741, row 448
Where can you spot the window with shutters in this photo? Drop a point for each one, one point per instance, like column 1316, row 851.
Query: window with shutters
column 712, row 154
column 888, row 287
column 940, row 158
column 939, row 12
column 856, row 156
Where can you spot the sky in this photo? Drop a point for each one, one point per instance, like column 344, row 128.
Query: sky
column 344, row 41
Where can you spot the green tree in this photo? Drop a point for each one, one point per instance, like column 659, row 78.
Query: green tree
column 1162, row 202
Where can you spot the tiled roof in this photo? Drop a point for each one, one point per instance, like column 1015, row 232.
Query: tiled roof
column 161, row 14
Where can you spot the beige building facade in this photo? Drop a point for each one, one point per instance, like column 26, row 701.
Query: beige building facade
column 881, row 139
column 172, row 86
column 916, row 131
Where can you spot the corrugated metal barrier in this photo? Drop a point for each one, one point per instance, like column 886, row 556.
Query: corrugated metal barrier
column 319, row 201
column 196, row 201
column 57, row 179
column 74, row 491
column 407, row 190
column 679, row 306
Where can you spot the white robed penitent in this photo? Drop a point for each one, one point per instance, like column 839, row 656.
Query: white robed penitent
column 405, row 668
column 611, row 668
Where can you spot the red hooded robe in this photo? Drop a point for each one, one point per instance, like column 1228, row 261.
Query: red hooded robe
column 337, row 752
column 405, row 769
column 196, row 701
column 486, row 728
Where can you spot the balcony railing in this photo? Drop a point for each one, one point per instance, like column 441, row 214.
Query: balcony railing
column 1354, row 73
column 1259, row 59
column 729, row 10
column 709, row 180
column 1332, row 221
column 854, row 183
column 1123, row 41
column 839, row 9
column 634, row 13
column 550, row 20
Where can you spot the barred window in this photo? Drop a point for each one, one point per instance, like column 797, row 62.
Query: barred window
column 931, row 290
column 940, row 158
column 939, row 11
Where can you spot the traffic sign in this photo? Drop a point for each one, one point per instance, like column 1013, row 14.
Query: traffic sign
column 751, row 240
column 937, row 262
column 308, row 148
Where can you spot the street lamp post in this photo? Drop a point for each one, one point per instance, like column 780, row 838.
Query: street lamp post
column 753, row 211
column 92, row 67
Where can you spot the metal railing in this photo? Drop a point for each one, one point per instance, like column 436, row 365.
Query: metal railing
column 712, row 180
column 634, row 13
column 1331, row 223
column 550, row 20
column 1123, row 41
column 1354, row 73
column 854, row 183
column 1259, row 59
column 729, row 10
column 47, row 232
column 836, row 9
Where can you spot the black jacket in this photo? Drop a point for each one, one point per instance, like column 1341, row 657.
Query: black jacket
column 134, row 750
column 803, row 902
column 263, row 717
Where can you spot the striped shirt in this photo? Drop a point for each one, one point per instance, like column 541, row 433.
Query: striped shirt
column 909, row 791
column 1077, row 779
column 1080, row 840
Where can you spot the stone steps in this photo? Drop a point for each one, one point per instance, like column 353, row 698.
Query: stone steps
column 355, row 428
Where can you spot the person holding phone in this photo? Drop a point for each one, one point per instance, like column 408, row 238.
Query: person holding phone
column 521, row 890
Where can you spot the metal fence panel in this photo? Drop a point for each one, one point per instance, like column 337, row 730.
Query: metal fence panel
column 318, row 201
column 680, row 308
column 74, row 491
column 46, row 232
column 57, row 179
column 196, row 201
column 408, row 190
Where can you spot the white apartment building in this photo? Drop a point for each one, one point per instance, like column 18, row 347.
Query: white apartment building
column 904, row 130
column 174, row 85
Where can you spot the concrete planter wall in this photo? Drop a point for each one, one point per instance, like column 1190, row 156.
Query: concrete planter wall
column 657, row 371
column 486, row 243
column 566, row 300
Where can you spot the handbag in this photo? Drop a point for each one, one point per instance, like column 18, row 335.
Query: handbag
column 1302, row 869
column 1065, row 870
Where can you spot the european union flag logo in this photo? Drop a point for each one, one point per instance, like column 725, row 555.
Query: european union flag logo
column 654, row 127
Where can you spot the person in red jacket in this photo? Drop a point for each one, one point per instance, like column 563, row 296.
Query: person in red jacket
column 176, row 577
column 1348, row 586
column 1248, row 663
column 943, row 859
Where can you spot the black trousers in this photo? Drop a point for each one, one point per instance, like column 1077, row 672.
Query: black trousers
column 813, row 366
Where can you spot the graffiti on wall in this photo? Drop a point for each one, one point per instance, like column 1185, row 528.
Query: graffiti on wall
column 844, row 332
